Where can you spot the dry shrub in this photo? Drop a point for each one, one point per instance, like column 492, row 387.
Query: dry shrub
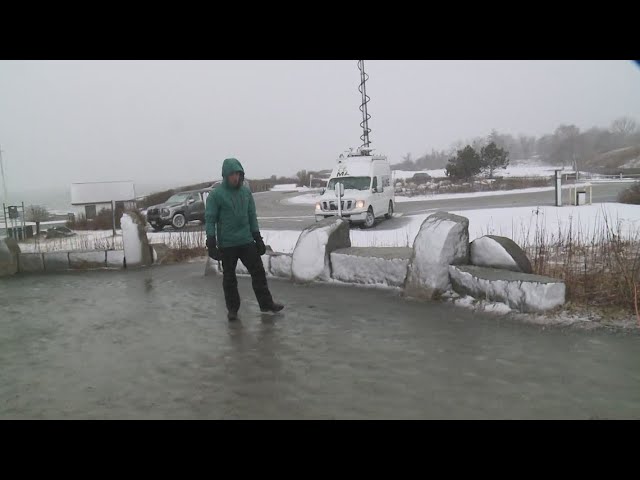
column 630, row 195
column 599, row 268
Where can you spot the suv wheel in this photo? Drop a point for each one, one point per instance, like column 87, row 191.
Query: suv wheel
column 178, row 221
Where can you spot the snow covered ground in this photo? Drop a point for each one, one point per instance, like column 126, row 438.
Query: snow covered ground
column 291, row 187
column 519, row 170
column 84, row 240
column 518, row 223
column 585, row 222
column 312, row 198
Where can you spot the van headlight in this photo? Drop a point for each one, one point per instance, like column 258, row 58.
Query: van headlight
column 318, row 207
column 360, row 204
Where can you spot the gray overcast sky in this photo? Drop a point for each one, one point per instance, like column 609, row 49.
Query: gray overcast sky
column 167, row 122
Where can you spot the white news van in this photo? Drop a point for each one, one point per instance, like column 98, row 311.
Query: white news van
column 368, row 189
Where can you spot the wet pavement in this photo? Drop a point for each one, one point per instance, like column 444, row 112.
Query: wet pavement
column 155, row 343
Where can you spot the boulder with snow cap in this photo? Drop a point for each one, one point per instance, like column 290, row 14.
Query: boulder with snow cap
column 311, row 256
column 522, row 291
column 499, row 252
column 134, row 238
column 443, row 240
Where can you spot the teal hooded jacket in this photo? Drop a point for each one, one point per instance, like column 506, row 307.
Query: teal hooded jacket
column 230, row 214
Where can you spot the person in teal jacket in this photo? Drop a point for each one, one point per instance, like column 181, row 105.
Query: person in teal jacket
column 233, row 234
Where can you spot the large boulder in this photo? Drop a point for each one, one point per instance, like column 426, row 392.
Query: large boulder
column 499, row 252
column 311, row 256
column 56, row 261
column 115, row 258
column 9, row 252
column 212, row 267
column 443, row 240
column 30, row 263
column 88, row 259
column 371, row 265
column 280, row 265
column 134, row 238
column 521, row 291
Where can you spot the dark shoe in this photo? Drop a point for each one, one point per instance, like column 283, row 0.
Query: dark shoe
column 232, row 316
column 275, row 307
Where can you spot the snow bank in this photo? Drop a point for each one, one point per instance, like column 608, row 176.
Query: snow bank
column 522, row 224
column 518, row 170
column 289, row 187
column 307, row 199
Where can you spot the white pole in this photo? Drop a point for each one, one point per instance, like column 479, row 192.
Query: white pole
column 113, row 216
column 558, row 188
column 4, row 183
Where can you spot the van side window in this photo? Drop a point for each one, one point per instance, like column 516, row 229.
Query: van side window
column 375, row 183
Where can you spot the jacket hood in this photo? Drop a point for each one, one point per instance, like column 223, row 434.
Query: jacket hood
column 229, row 166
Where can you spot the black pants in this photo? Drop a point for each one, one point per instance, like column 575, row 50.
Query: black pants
column 248, row 255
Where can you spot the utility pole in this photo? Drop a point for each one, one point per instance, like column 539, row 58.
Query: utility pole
column 363, row 106
column 4, row 183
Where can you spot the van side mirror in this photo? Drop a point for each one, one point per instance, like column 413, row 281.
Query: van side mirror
column 322, row 191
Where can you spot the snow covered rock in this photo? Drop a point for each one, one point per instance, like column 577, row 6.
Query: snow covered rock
column 521, row 291
column 30, row 263
column 89, row 259
column 371, row 265
column 9, row 251
column 311, row 256
column 211, row 266
column 280, row 265
column 443, row 240
column 499, row 252
column 56, row 261
column 134, row 238
column 115, row 258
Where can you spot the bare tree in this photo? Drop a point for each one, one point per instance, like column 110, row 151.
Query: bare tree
column 37, row 214
column 624, row 126
column 527, row 145
column 303, row 178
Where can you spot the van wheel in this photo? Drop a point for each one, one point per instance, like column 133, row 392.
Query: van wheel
column 178, row 221
column 390, row 212
column 370, row 219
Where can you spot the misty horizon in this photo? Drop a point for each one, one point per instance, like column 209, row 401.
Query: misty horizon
column 166, row 123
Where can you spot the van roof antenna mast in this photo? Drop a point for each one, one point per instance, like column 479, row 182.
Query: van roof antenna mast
column 363, row 106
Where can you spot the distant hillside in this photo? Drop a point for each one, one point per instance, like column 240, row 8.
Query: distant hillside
column 618, row 159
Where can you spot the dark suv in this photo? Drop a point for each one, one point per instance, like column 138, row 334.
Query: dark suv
column 179, row 209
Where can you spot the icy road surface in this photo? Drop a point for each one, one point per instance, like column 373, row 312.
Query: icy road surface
column 155, row 343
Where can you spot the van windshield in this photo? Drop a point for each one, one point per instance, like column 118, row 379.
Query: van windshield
column 351, row 183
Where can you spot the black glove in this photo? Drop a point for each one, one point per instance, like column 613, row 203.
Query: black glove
column 212, row 248
column 259, row 243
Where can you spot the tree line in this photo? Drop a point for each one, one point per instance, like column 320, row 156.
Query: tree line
column 566, row 146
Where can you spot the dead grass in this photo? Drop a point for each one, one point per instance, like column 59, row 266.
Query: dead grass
column 600, row 268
